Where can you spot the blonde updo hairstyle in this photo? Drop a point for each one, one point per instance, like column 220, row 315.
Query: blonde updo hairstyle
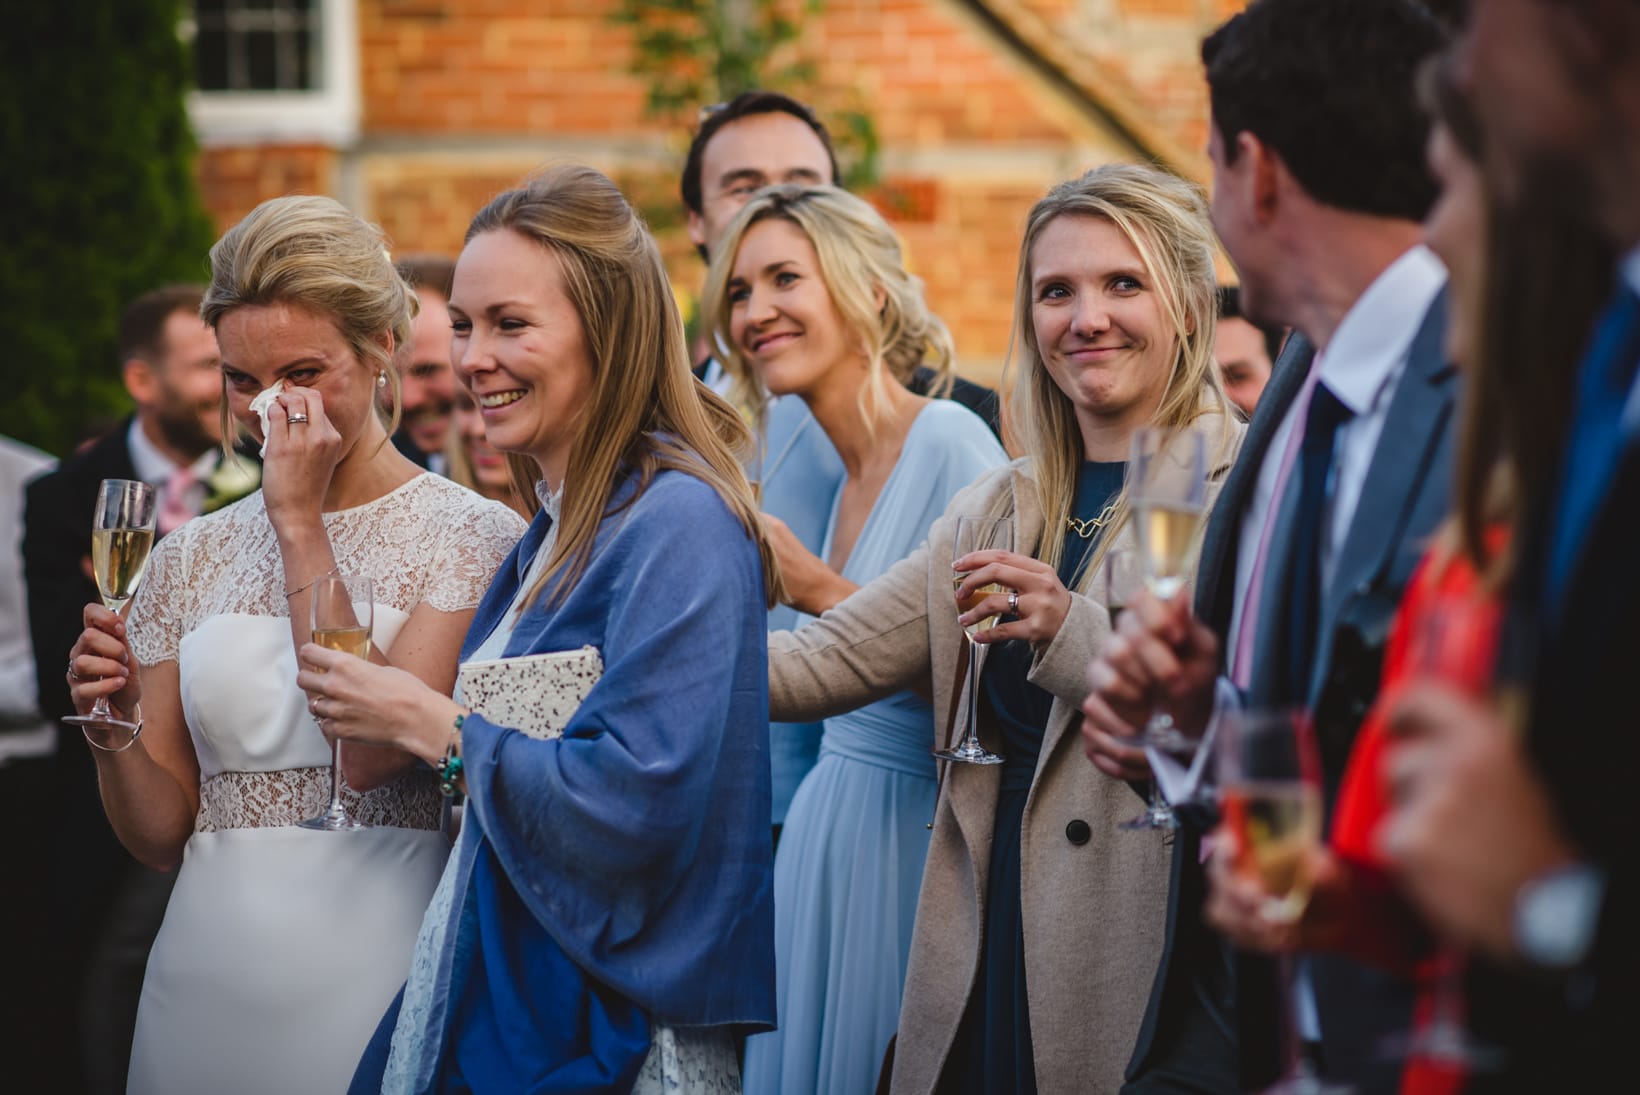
column 311, row 252
column 646, row 412
column 1166, row 220
column 860, row 264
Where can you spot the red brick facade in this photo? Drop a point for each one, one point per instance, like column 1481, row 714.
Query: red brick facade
column 980, row 105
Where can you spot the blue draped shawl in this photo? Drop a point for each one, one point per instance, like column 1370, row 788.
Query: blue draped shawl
column 620, row 875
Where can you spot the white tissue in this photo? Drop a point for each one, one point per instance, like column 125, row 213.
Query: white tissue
column 263, row 406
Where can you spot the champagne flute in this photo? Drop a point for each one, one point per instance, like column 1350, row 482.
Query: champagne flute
column 343, row 614
column 122, row 536
column 1167, row 488
column 1450, row 644
column 976, row 534
column 1270, row 788
column 1124, row 578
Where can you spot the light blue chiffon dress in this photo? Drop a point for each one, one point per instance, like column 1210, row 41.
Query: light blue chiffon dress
column 851, row 856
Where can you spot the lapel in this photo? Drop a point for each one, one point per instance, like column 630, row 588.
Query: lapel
column 1404, row 469
column 1215, row 589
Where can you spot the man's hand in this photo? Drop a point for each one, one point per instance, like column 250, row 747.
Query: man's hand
column 1471, row 823
column 1158, row 656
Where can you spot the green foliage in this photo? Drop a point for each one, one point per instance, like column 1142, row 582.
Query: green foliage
column 97, row 203
column 695, row 53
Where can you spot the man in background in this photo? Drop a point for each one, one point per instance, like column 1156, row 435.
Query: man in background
column 1243, row 352
column 426, row 379
column 105, row 907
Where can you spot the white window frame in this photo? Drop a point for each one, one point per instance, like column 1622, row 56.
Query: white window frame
column 329, row 115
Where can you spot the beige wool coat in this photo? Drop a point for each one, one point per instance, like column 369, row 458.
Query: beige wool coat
column 1094, row 897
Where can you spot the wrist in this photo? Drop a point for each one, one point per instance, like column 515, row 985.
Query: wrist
column 1556, row 914
column 430, row 736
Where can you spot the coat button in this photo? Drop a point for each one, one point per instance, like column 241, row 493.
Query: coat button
column 1078, row 832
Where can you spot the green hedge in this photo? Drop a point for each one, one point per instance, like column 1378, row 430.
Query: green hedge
column 100, row 201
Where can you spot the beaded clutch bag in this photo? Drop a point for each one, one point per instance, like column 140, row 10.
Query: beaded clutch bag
column 535, row 693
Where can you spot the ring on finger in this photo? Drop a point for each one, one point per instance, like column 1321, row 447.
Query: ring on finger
column 296, row 419
column 1013, row 602
column 313, row 706
column 73, row 676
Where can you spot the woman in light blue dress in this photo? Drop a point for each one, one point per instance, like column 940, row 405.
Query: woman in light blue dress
column 809, row 296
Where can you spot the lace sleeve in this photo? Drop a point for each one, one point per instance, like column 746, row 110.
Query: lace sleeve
column 156, row 622
column 467, row 559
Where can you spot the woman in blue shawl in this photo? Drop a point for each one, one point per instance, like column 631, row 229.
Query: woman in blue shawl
column 606, row 921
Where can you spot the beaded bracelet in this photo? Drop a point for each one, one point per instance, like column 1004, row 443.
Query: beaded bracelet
column 449, row 769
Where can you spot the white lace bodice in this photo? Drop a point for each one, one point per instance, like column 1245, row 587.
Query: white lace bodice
column 214, row 601
column 429, row 541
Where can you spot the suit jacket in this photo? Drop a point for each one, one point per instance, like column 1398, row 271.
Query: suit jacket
column 56, row 537
column 1570, row 1031
column 1207, row 1024
column 1092, row 897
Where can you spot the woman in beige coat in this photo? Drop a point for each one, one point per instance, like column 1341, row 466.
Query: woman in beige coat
column 1039, row 924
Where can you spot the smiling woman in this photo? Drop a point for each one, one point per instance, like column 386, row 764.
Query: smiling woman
column 1024, row 972
column 307, row 309
column 606, row 919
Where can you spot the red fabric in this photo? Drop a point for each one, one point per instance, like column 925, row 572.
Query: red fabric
column 1446, row 628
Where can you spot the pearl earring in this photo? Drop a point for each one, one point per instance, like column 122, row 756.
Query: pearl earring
column 381, row 379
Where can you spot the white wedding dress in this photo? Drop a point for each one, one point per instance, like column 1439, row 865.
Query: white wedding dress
column 283, row 946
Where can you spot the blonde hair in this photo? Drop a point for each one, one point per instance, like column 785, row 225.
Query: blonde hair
column 646, row 412
column 1165, row 219
column 311, row 252
column 859, row 258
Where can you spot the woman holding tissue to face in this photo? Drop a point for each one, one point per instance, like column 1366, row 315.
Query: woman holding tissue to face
column 281, row 944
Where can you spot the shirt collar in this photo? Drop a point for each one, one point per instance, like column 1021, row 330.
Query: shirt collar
column 153, row 466
column 551, row 502
column 1631, row 269
column 1374, row 336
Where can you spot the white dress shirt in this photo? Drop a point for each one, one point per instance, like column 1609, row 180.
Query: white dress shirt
column 1361, row 365
column 23, row 733
column 155, row 468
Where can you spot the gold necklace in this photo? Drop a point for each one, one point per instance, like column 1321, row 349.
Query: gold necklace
column 1086, row 529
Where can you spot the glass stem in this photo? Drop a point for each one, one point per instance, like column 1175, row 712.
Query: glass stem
column 336, row 776
column 971, row 738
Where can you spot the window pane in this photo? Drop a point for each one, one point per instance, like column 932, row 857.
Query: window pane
column 211, row 60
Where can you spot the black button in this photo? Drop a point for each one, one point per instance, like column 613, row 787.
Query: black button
column 1078, row 832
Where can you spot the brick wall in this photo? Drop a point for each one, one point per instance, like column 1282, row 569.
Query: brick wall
column 461, row 98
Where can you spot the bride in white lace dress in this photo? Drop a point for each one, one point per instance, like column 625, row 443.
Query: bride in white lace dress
column 282, row 945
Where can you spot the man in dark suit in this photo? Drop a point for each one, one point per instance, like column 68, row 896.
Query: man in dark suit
column 1515, row 826
column 1319, row 185
column 105, row 907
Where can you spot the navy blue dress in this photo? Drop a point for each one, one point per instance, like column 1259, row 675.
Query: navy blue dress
column 993, row 1049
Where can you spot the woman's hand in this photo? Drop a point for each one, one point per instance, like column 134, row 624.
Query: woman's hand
column 1041, row 606
column 811, row 585
column 1235, row 903
column 360, row 701
column 302, row 456
column 100, row 664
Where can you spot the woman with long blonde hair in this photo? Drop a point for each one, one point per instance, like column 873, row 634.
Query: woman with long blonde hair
column 809, row 298
column 606, row 918
column 1039, row 924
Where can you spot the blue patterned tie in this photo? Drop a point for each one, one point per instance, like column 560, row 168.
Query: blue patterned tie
column 1595, row 441
column 1315, row 465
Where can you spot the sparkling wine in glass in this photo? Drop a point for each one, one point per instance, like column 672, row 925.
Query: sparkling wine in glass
column 1167, row 488
column 122, row 536
column 343, row 610
column 976, row 534
column 1124, row 578
column 1270, row 788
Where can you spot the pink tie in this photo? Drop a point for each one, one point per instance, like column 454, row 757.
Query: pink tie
column 1241, row 673
column 174, row 508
